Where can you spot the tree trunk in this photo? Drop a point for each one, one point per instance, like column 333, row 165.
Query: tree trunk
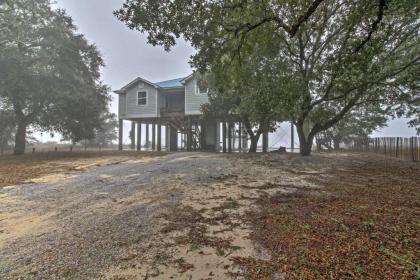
column 254, row 144
column 20, row 138
column 305, row 142
column 336, row 144
column 254, row 137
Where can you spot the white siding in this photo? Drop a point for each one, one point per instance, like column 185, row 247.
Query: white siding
column 161, row 102
column 193, row 101
column 134, row 110
column 121, row 106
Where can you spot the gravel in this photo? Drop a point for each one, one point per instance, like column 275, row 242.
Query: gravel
column 98, row 215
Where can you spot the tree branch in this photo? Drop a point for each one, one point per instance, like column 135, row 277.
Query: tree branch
column 291, row 30
column 303, row 18
column 381, row 8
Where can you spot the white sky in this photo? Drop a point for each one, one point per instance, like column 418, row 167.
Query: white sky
column 127, row 54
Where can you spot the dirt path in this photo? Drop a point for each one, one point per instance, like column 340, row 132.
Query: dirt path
column 174, row 216
column 180, row 216
column 80, row 226
column 48, row 166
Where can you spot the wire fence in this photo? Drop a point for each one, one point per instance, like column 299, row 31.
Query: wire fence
column 398, row 147
column 42, row 148
column 77, row 148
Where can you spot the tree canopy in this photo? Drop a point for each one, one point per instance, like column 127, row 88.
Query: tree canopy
column 7, row 127
column 50, row 73
column 330, row 57
column 356, row 126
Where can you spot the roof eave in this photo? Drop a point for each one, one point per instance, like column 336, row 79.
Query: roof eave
column 187, row 78
column 169, row 88
column 136, row 80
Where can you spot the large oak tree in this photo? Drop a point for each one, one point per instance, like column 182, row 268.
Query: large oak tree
column 49, row 73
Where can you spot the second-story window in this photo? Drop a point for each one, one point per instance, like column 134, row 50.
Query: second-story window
column 141, row 98
column 200, row 88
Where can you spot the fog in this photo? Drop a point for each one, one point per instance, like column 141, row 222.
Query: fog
column 127, row 56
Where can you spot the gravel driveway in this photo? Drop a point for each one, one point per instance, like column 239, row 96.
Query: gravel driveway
column 78, row 227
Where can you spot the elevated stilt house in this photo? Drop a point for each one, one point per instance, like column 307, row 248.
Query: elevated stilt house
column 174, row 106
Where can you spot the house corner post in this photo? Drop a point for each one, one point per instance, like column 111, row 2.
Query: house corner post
column 224, row 136
column 133, row 135
column 147, row 136
column 173, row 138
column 217, row 136
column 203, row 133
column 229, row 137
column 138, row 136
column 189, row 134
column 153, row 136
column 120, row 134
column 159, row 137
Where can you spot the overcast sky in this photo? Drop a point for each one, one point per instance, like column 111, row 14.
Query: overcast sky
column 127, row 54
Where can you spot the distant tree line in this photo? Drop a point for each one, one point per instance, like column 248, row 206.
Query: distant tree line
column 336, row 69
column 50, row 76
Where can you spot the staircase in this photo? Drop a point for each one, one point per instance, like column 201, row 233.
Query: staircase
column 181, row 125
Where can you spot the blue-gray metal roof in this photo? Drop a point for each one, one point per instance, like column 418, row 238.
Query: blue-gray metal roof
column 171, row 83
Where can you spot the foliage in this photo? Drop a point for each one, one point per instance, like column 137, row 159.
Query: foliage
column 342, row 56
column 414, row 113
column 249, row 88
column 107, row 132
column 7, row 127
column 50, row 74
column 355, row 126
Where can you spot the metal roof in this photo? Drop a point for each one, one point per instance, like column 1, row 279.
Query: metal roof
column 170, row 83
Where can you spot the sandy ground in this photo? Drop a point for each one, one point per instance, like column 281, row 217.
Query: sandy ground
column 179, row 216
column 45, row 167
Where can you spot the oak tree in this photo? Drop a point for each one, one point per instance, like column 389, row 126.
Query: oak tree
column 340, row 56
column 49, row 73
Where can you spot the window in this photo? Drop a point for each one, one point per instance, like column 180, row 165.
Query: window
column 141, row 98
column 200, row 88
